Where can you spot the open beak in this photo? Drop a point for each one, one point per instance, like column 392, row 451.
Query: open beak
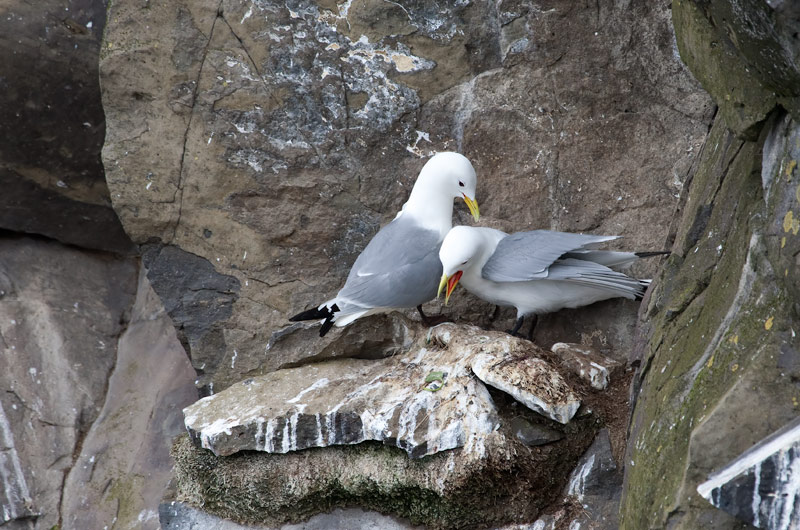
column 472, row 204
column 450, row 282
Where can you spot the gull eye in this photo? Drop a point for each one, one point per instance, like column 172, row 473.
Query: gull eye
column 461, row 184
column 464, row 262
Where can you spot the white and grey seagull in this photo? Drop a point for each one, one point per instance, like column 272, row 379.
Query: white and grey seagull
column 400, row 266
column 537, row 272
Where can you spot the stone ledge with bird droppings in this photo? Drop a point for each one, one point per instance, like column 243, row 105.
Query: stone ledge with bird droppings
column 391, row 400
column 587, row 363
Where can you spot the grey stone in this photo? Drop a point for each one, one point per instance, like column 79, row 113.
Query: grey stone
column 530, row 381
column 124, row 466
column 197, row 298
column 80, row 337
column 762, row 486
column 348, row 401
column 59, row 326
column 532, row 434
column 587, row 363
column 596, row 474
column 179, row 516
column 596, row 485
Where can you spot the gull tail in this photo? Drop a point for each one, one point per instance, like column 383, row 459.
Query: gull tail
column 316, row 313
column 651, row 254
column 643, row 285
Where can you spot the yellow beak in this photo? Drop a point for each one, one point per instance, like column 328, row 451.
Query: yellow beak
column 442, row 283
column 472, row 204
column 450, row 282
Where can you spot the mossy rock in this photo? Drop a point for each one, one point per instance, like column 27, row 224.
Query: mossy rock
column 719, row 371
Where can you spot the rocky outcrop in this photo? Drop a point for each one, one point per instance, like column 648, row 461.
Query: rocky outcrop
column 272, row 139
column 761, row 486
column 438, row 491
column 424, row 401
column 719, row 350
column 446, row 402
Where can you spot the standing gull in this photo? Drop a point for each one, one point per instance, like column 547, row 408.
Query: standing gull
column 537, row 272
column 400, row 265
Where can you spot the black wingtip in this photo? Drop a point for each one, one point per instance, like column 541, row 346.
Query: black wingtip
column 643, row 285
column 311, row 314
column 651, row 254
column 316, row 313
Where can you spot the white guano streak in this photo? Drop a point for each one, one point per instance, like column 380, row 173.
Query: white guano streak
column 16, row 478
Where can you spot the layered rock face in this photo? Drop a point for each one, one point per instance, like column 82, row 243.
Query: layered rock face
column 272, row 140
column 720, row 363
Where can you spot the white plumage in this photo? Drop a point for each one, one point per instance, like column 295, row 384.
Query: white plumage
column 400, row 265
column 536, row 272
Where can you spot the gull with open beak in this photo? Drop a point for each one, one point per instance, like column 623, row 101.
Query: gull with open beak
column 400, row 265
column 536, row 272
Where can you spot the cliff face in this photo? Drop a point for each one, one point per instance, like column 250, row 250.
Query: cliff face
column 719, row 346
column 251, row 151
column 272, row 140
column 254, row 148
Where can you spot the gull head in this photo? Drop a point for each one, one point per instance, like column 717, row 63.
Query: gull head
column 450, row 174
column 457, row 254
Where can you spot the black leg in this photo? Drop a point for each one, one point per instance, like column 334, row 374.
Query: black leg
column 430, row 321
column 494, row 314
column 534, row 320
column 517, row 325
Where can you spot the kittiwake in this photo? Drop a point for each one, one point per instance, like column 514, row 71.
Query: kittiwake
column 536, row 272
column 400, row 266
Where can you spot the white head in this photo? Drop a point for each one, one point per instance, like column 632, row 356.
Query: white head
column 461, row 248
column 449, row 174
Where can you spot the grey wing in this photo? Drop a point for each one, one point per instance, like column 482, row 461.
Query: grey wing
column 596, row 275
column 527, row 255
column 400, row 267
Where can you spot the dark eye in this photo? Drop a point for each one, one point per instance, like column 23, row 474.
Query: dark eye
column 464, row 262
column 460, row 183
